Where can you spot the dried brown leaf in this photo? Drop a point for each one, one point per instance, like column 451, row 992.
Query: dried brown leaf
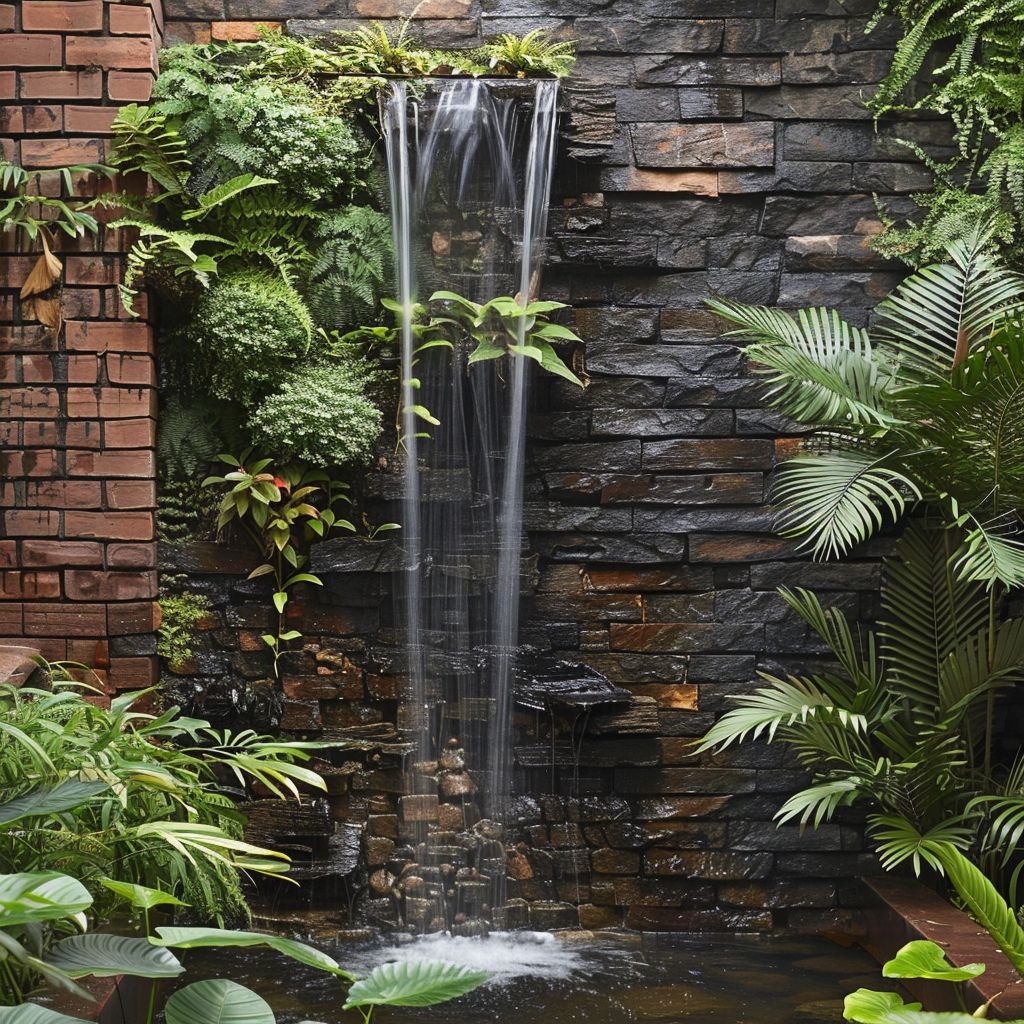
column 44, row 275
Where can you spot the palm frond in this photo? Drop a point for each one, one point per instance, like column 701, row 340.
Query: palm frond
column 927, row 613
column 819, row 803
column 938, row 315
column 899, row 841
column 784, row 702
column 819, row 368
column 836, row 500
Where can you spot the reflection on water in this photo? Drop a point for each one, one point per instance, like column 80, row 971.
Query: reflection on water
column 555, row 980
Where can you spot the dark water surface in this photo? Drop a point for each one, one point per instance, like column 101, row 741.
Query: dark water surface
column 543, row 979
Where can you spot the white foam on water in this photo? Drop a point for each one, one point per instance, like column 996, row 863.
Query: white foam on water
column 506, row 955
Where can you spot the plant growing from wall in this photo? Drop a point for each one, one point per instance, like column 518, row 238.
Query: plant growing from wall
column 180, row 614
column 321, row 415
column 962, row 61
column 24, row 208
column 505, row 326
column 276, row 510
column 248, row 329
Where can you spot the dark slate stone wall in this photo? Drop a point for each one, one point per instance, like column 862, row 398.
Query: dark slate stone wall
column 711, row 148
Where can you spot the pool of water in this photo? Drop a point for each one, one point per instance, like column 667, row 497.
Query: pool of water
column 546, row 979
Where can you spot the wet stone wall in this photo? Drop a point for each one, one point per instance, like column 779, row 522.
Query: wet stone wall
column 707, row 149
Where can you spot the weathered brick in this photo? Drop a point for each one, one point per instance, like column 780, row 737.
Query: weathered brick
column 60, row 553
column 109, row 525
column 129, row 86
column 61, row 84
column 63, row 16
column 126, row 52
column 24, row 50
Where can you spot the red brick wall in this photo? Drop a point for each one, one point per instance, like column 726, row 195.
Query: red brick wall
column 77, row 427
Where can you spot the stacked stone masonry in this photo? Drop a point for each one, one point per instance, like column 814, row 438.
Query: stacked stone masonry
column 709, row 149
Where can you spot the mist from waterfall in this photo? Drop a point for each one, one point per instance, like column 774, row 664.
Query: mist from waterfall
column 469, row 165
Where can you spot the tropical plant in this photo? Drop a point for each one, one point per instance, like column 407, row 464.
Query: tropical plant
column 346, row 276
column 906, row 722
column 972, row 56
column 44, row 937
column 505, row 326
column 179, row 615
column 409, row 983
column 373, row 49
column 116, row 792
column 530, row 55
column 35, row 908
column 248, row 329
column 319, row 414
column 921, row 412
column 919, row 959
column 235, row 123
column 276, row 510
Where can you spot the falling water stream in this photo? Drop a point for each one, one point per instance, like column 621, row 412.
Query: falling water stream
column 469, row 165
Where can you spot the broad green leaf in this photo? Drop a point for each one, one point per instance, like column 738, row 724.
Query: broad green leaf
column 217, row 1001
column 866, row 1006
column 196, row 938
column 105, row 956
column 40, row 896
column 33, row 1013
column 923, row 959
column 414, row 983
column 51, row 800
column 423, row 413
column 280, row 599
column 141, row 896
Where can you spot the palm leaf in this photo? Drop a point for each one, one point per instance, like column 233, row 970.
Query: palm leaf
column 898, row 841
column 939, row 314
column 819, row 368
column 927, row 614
column 836, row 500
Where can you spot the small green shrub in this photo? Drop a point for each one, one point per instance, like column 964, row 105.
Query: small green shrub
column 181, row 613
column 246, row 331
column 234, row 125
column 321, row 414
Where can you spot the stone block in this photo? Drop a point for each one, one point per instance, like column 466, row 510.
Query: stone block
column 725, row 144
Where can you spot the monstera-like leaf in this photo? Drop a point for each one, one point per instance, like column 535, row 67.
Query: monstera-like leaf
column 414, row 983
column 107, row 956
column 868, row 1007
column 141, row 897
column 33, row 1013
column 923, row 959
column 217, row 1001
column 194, row 938
column 32, row 896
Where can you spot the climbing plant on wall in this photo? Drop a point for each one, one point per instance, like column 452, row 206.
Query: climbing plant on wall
column 962, row 61
column 266, row 240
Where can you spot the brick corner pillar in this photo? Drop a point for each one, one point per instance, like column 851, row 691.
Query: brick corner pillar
column 77, row 411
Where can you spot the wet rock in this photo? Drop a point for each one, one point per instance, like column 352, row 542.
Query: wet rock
column 419, row 807
column 378, row 850
column 455, row 784
column 487, row 829
column 518, row 866
column 592, row 916
column 451, row 817
column 546, row 915
column 381, row 881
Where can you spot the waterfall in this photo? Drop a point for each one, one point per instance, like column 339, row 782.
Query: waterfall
column 469, row 165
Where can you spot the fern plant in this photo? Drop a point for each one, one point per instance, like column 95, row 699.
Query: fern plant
column 921, row 411
column 964, row 60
